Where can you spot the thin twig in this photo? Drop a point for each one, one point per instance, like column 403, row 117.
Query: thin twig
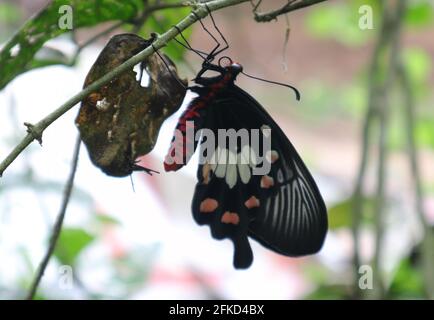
column 58, row 224
column 378, row 105
column 36, row 130
column 383, row 115
column 290, row 6
column 427, row 248
column 285, row 44
column 370, row 116
column 393, row 23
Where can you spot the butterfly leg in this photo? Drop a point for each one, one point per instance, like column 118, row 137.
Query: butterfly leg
column 215, row 52
column 133, row 155
column 187, row 45
column 137, row 167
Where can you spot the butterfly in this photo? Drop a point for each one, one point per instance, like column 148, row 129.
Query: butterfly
column 257, row 187
column 282, row 209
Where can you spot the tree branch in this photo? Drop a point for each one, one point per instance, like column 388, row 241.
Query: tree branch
column 290, row 6
column 427, row 246
column 378, row 109
column 370, row 116
column 59, row 222
column 38, row 128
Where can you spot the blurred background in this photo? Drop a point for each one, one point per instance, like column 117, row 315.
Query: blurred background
column 364, row 127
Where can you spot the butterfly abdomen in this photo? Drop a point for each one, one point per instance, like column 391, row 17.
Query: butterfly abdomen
column 192, row 118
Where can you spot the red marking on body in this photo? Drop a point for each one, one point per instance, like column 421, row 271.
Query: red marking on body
column 190, row 113
column 230, row 217
column 267, row 182
column 252, row 202
column 208, row 205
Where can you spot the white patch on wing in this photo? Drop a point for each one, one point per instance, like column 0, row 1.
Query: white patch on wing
column 232, row 166
column 221, row 163
column 244, row 171
column 231, row 171
column 215, row 158
column 266, row 130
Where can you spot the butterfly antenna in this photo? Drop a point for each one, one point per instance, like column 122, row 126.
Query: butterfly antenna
column 297, row 93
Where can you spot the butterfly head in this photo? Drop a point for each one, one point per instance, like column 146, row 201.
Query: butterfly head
column 231, row 67
column 235, row 68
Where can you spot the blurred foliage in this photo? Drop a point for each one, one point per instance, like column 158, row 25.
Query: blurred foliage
column 420, row 13
column 407, row 282
column 9, row 13
column 105, row 220
column 25, row 50
column 10, row 16
column 340, row 22
column 17, row 55
column 339, row 216
column 164, row 20
column 133, row 269
column 330, row 292
column 70, row 244
column 336, row 21
column 419, row 67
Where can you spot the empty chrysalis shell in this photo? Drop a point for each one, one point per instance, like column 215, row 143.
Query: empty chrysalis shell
column 120, row 121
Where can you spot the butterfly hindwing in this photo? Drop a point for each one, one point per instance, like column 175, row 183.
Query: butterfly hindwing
column 282, row 209
column 293, row 218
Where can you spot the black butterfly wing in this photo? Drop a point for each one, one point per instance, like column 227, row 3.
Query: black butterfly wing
column 283, row 209
column 293, row 218
column 220, row 193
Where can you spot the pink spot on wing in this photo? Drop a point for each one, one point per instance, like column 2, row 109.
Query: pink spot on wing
column 274, row 156
column 252, row 202
column 267, row 182
column 208, row 205
column 230, row 217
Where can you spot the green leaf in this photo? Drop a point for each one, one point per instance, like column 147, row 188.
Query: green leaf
column 16, row 56
column 341, row 22
column 9, row 14
column 419, row 14
column 330, row 292
column 71, row 242
column 162, row 21
column 407, row 283
column 418, row 64
column 424, row 132
column 340, row 215
column 106, row 220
